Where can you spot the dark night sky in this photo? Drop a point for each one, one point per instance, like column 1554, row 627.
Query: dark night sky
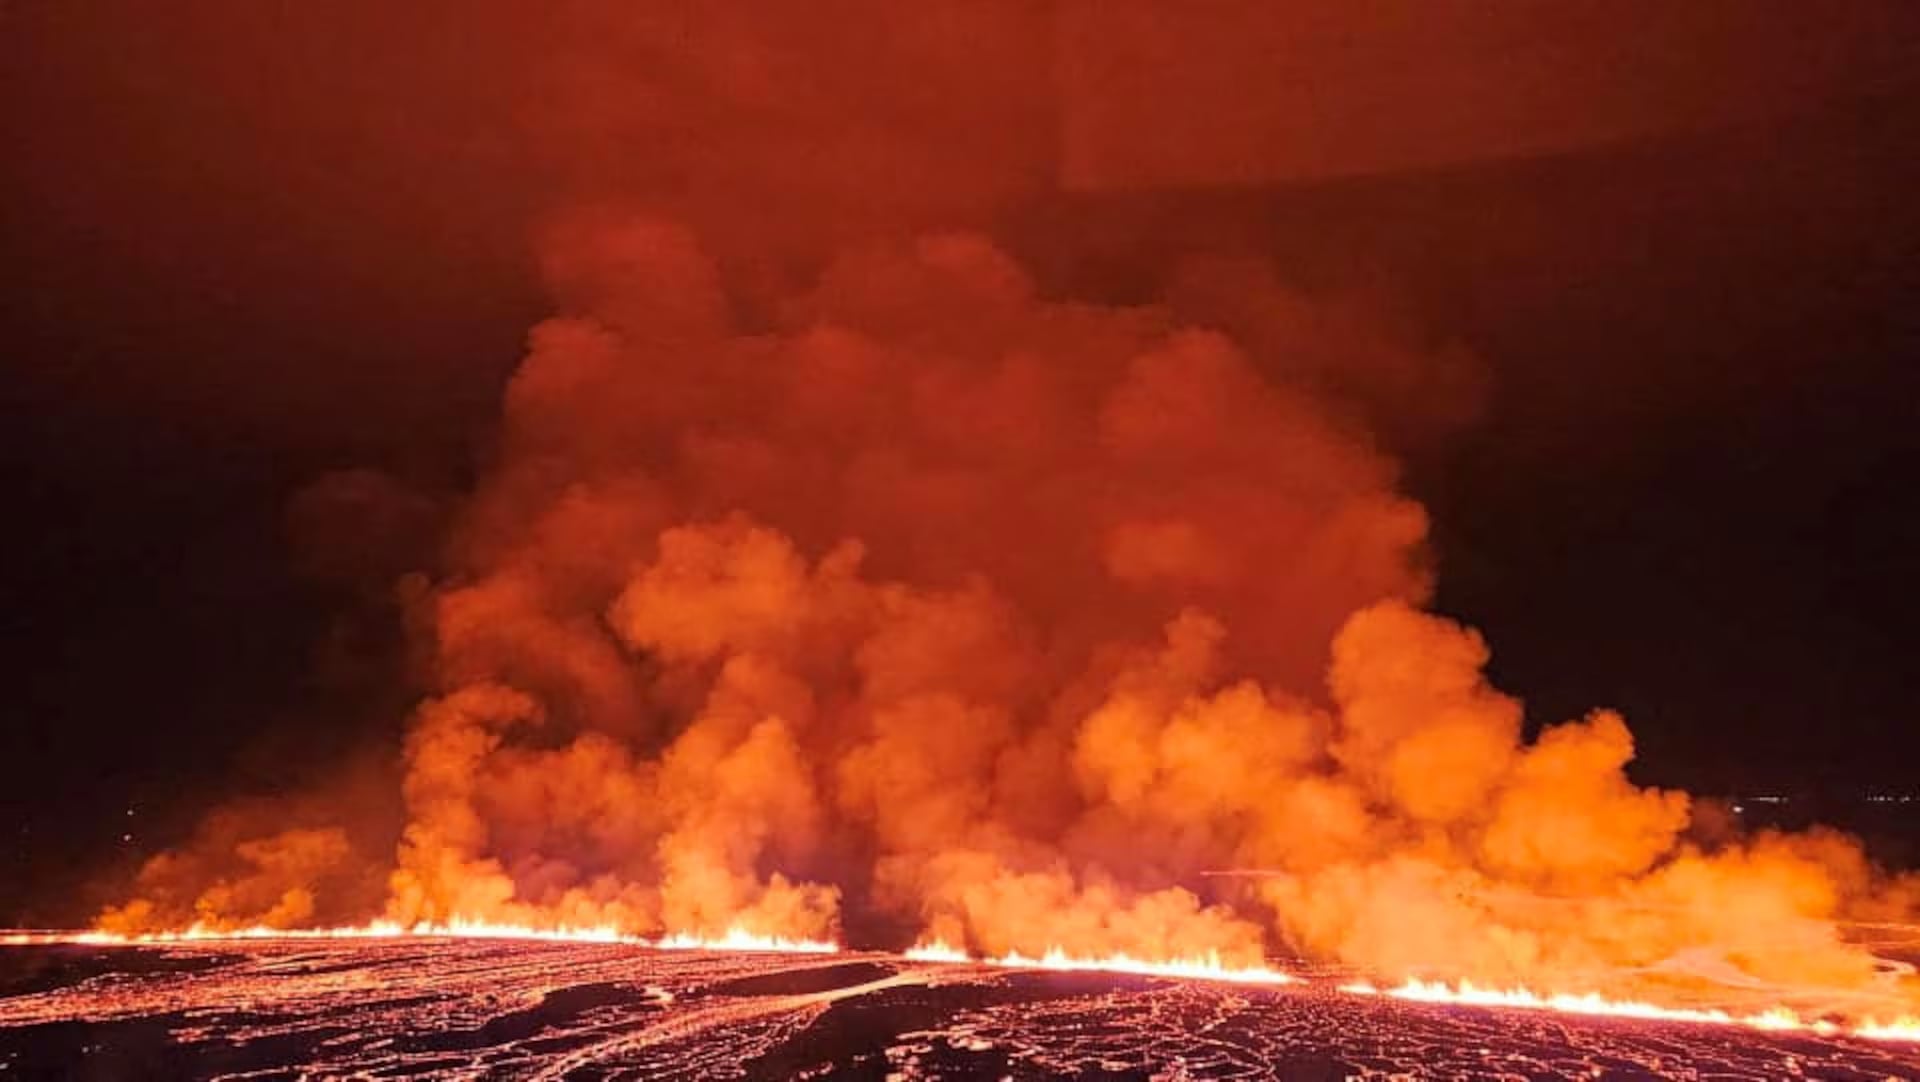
column 250, row 244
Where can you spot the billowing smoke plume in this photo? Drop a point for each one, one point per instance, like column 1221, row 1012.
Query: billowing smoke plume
column 912, row 601
column 901, row 586
column 940, row 606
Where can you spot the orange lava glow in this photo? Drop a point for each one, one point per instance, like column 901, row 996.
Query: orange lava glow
column 1776, row 1019
column 1904, row 1029
column 937, row 950
column 734, row 939
column 1206, row 967
column 737, row 939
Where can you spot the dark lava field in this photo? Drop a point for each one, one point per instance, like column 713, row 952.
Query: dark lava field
column 484, row 1009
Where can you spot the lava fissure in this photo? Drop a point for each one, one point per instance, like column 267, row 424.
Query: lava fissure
column 938, row 953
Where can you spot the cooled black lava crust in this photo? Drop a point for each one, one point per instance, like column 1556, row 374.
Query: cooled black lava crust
column 511, row 1010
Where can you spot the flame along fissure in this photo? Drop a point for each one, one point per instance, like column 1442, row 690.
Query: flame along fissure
column 1206, row 968
column 733, row 939
column 1778, row 1019
column 1467, row 994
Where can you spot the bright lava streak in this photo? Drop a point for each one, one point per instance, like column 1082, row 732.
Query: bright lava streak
column 1210, row 968
column 1778, row 1019
column 1903, row 1029
column 938, row 950
column 734, row 939
column 1207, row 967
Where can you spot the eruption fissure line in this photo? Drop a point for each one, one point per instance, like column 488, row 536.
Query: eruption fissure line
column 1465, row 994
column 734, row 939
column 1208, row 967
column 1778, row 1019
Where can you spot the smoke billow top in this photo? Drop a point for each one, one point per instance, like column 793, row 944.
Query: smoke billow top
column 908, row 599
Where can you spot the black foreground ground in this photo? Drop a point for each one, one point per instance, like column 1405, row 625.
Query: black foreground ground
column 529, row 1010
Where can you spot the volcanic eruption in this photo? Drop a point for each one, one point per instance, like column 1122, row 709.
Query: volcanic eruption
column 934, row 604
column 847, row 580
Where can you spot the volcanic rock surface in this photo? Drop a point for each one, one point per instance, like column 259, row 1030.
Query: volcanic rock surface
column 532, row 1010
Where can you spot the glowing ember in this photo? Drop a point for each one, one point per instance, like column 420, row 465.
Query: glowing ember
column 1776, row 1019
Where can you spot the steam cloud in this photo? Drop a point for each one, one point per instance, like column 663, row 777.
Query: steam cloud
column 910, row 601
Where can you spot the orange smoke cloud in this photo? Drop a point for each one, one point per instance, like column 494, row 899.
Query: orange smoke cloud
column 300, row 859
column 1004, row 618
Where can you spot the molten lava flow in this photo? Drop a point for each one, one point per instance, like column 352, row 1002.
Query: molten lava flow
column 936, row 950
column 202, row 933
column 1206, row 967
column 1903, row 1029
column 737, row 939
column 1777, row 1019
column 734, row 939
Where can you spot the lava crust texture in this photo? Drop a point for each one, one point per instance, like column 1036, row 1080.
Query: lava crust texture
column 528, row 1010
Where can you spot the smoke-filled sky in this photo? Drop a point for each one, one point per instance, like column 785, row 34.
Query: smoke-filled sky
column 1593, row 326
